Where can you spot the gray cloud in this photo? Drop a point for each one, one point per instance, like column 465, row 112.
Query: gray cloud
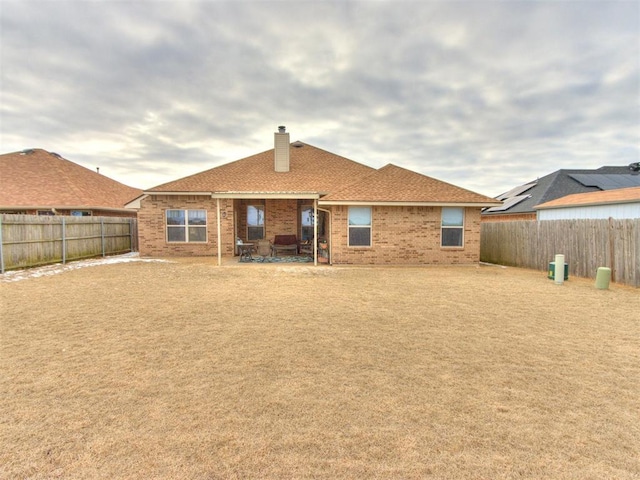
column 485, row 95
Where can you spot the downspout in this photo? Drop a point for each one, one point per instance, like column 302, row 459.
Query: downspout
column 219, row 231
column 315, row 232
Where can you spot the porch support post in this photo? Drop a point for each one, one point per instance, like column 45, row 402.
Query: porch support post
column 219, row 231
column 315, row 231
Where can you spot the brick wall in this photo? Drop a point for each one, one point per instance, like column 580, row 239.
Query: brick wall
column 403, row 236
column 67, row 212
column 400, row 235
column 509, row 217
column 152, row 226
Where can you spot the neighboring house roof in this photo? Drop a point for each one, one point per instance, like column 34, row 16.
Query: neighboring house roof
column 621, row 195
column 37, row 179
column 334, row 178
column 524, row 198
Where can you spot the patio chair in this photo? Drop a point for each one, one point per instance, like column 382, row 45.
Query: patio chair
column 264, row 248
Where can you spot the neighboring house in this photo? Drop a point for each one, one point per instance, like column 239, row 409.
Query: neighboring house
column 358, row 214
column 618, row 204
column 38, row 182
column 520, row 202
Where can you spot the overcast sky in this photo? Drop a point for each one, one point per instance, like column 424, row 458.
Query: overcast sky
column 483, row 94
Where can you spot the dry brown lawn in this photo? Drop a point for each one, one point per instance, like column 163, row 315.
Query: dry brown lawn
column 187, row 370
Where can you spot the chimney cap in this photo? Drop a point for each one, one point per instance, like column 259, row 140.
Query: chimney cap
column 282, row 128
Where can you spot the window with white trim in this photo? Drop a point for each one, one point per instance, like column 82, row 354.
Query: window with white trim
column 359, row 226
column 255, row 222
column 452, row 232
column 186, row 226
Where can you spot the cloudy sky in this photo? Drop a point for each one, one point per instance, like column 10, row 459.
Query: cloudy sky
column 483, row 94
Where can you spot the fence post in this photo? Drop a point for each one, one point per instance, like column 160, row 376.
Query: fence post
column 1, row 248
column 102, row 234
column 64, row 242
column 131, row 234
column 612, row 250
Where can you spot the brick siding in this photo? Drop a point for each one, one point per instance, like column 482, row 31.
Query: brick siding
column 152, row 226
column 405, row 236
column 509, row 217
column 400, row 235
column 67, row 212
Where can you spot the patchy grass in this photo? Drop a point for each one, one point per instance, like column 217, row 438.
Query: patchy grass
column 187, row 370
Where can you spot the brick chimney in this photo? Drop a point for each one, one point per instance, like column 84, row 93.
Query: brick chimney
column 281, row 141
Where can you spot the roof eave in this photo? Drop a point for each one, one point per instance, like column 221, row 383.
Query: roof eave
column 160, row 192
column 271, row 195
column 409, row 204
column 589, row 204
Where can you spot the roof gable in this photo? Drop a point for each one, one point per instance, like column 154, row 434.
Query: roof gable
column 396, row 184
column 37, row 178
column 311, row 170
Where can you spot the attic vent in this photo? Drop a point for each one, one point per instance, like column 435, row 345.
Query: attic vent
column 27, row 151
column 297, row 144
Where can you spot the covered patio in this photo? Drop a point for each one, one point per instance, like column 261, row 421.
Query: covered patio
column 261, row 219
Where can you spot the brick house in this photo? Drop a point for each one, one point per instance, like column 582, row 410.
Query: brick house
column 37, row 182
column 358, row 214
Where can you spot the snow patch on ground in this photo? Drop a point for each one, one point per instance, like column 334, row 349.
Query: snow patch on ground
column 55, row 269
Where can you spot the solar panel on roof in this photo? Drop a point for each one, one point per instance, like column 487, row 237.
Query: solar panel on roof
column 516, row 191
column 605, row 181
column 508, row 203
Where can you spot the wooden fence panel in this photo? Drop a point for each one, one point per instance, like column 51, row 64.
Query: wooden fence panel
column 586, row 244
column 31, row 240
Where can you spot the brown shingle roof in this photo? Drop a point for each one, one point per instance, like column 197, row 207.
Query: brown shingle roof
column 316, row 170
column 619, row 195
column 39, row 179
column 395, row 184
column 311, row 170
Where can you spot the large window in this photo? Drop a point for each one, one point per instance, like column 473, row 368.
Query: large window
column 452, row 226
column 359, row 226
column 255, row 222
column 186, row 225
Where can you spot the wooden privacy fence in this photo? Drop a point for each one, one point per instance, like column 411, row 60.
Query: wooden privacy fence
column 586, row 245
column 31, row 240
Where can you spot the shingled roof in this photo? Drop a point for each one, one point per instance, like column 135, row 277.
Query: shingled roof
column 311, row 170
column 620, row 195
column 396, row 184
column 336, row 179
column 37, row 179
column 561, row 183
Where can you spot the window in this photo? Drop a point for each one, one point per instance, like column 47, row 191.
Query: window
column 452, row 226
column 359, row 226
column 255, row 222
column 307, row 223
column 186, row 225
column 80, row 213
